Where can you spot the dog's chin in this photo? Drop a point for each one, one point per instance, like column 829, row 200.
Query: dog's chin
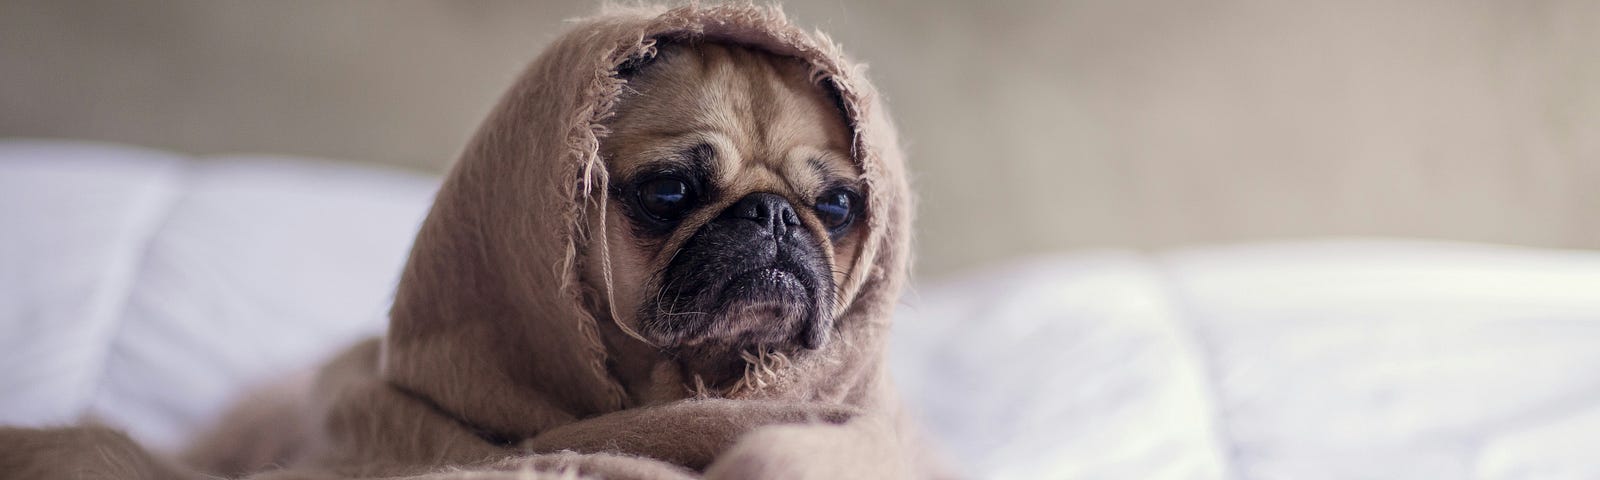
column 769, row 308
column 764, row 307
column 763, row 310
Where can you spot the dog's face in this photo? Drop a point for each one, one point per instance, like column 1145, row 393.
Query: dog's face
column 743, row 208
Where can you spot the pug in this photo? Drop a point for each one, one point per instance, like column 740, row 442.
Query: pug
column 733, row 174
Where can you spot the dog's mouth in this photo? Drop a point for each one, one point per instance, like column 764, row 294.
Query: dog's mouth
column 762, row 306
column 764, row 283
column 711, row 327
column 766, row 306
column 776, row 305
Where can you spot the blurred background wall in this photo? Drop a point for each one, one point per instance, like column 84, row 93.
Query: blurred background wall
column 1033, row 125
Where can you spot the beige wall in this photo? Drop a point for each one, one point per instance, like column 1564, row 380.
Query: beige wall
column 1033, row 126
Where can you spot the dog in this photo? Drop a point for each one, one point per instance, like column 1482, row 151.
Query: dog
column 733, row 173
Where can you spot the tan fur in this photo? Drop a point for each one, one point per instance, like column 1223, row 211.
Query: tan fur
column 503, row 358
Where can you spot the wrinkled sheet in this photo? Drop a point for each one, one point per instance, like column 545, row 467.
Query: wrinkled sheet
column 147, row 290
column 1336, row 359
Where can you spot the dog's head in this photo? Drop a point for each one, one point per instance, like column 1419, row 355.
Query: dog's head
column 733, row 173
column 616, row 228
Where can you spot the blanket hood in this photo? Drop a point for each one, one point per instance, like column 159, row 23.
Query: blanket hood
column 490, row 323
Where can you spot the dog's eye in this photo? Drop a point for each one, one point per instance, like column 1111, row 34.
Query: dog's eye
column 836, row 208
column 666, row 198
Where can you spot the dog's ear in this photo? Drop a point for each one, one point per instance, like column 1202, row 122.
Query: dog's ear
column 837, row 97
column 643, row 59
column 633, row 64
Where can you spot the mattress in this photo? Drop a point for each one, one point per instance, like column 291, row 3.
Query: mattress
column 148, row 290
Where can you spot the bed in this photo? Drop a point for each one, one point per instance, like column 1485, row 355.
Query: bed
column 148, row 290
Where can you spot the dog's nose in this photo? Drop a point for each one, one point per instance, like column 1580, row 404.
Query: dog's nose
column 770, row 210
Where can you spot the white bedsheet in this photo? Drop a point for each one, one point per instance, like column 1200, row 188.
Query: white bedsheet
column 1349, row 359
column 147, row 289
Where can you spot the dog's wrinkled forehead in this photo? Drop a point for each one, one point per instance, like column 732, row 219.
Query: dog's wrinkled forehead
column 747, row 118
